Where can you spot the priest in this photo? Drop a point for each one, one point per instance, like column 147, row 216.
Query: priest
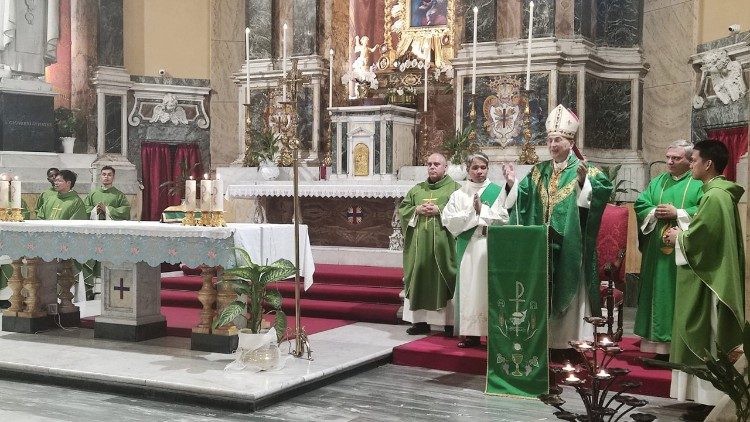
column 429, row 251
column 569, row 194
column 470, row 210
column 710, row 262
column 66, row 205
column 669, row 200
column 107, row 202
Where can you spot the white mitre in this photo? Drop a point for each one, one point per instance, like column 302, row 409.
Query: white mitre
column 562, row 122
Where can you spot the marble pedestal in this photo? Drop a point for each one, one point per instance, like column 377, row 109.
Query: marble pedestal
column 131, row 306
column 26, row 115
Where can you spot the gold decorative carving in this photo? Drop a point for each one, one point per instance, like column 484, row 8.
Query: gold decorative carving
column 207, row 297
column 421, row 26
column 503, row 112
column 361, row 160
column 31, row 285
column 225, row 296
column 15, row 282
column 66, row 280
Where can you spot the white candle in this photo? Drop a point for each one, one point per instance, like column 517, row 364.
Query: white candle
column 426, row 77
column 330, row 78
column 206, row 200
column 528, row 53
column 4, row 192
column 568, row 367
column 584, row 346
column 572, row 378
column 190, row 194
column 283, row 62
column 247, row 65
column 606, row 342
column 474, row 55
column 217, row 193
column 15, row 193
column 602, row 374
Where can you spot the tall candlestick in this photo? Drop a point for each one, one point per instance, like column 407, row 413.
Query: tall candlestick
column 426, row 77
column 474, row 55
column 190, row 194
column 528, row 54
column 217, row 193
column 4, row 191
column 206, row 200
column 330, row 78
column 283, row 62
column 15, row 193
column 247, row 65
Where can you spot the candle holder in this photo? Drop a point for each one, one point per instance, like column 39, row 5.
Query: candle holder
column 528, row 152
column 217, row 219
column 4, row 214
column 594, row 380
column 16, row 215
column 189, row 219
column 473, row 145
column 205, row 219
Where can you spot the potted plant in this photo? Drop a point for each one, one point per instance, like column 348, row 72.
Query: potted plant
column 262, row 153
column 68, row 125
column 457, row 148
column 250, row 281
column 176, row 188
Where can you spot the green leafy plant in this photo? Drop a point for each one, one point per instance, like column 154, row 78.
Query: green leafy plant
column 263, row 147
column 721, row 373
column 68, row 123
column 459, row 146
column 177, row 187
column 619, row 185
column 252, row 280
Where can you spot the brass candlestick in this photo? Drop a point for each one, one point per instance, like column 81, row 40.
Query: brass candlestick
column 4, row 214
column 217, row 219
column 189, row 219
column 473, row 145
column 16, row 215
column 205, row 218
column 528, row 153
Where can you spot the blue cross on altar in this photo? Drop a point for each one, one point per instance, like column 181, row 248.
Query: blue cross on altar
column 354, row 215
column 121, row 288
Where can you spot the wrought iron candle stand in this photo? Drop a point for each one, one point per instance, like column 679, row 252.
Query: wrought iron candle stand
column 593, row 381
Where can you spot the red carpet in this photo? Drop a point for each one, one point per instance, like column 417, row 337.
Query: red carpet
column 438, row 352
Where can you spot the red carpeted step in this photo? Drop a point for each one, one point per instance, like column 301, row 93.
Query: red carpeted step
column 366, row 312
column 359, row 275
column 350, row 293
column 185, row 282
column 180, row 298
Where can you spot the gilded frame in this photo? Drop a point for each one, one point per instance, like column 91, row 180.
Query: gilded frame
column 434, row 35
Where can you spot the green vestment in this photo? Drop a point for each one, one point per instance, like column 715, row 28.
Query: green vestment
column 547, row 197
column 63, row 206
column 713, row 248
column 118, row 207
column 653, row 320
column 429, row 248
column 42, row 197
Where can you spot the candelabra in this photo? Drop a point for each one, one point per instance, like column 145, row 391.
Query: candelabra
column 473, row 145
column 528, row 153
column 593, row 380
column 189, row 219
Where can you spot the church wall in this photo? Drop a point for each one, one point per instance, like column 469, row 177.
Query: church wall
column 714, row 18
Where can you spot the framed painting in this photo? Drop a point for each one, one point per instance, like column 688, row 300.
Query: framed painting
column 419, row 26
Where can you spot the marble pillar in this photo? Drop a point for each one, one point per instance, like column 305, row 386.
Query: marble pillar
column 618, row 23
column 84, row 15
column 582, row 21
column 305, row 28
column 110, row 46
column 608, row 124
column 283, row 13
column 544, row 18
column 509, row 19
column 340, row 45
column 258, row 14
column 486, row 20
column 564, row 18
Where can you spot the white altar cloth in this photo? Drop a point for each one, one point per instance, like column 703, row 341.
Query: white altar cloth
column 338, row 189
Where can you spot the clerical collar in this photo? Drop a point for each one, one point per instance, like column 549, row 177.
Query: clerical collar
column 477, row 184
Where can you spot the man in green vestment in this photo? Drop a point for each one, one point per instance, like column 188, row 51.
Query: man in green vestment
column 569, row 194
column 52, row 172
column 669, row 200
column 429, row 251
column 107, row 202
column 66, row 205
column 710, row 262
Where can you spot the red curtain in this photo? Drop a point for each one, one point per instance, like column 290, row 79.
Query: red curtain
column 735, row 139
column 161, row 163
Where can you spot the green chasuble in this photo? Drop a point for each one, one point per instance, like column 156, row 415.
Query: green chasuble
column 429, row 249
column 63, row 206
column 653, row 320
column 715, row 270
column 118, row 207
column 549, row 197
column 42, row 197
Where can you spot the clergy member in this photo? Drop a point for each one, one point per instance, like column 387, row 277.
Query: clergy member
column 66, row 205
column 107, row 202
column 52, row 172
column 570, row 195
column 429, row 251
column 710, row 261
column 669, row 200
column 478, row 204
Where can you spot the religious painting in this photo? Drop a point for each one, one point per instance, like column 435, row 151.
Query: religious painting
column 428, row 13
column 504, row 111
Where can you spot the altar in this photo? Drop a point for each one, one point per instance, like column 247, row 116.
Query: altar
column 131, row 253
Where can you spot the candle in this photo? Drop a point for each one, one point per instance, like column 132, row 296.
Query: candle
column 190, row 194
column 247, row 65
column 568, row 367
column 426, row 77
column 528, row 53
column 606, row 342
column 206, row 200
column 283, row 62
column 584, row 346
column 572, row 378
column 474, row 55
column 217, row 193
column 15, row 193
column 330, row 78
column 4, row 192
column 602, row 374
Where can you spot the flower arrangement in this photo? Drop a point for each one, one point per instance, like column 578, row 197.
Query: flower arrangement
column 365, row 79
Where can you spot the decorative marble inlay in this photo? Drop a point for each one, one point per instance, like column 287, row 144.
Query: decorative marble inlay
column 305, row 27
column 334, row 145
column 258, row 106
column 113, row 123
column 607, row 113
column 567, row 91
column 544, row 18
column 305, row 121
column 184, row 107
column 618, row 23
column 344, row 152
column 486, row 20
column 109, row 37
column 162, row 80
column 582, row 18
column 389, row 146
column 258, row 15
column 376, row 150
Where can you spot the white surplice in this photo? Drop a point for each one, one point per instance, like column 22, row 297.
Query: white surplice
column 458, row 216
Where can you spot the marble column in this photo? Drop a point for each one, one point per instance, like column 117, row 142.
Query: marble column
column 564, row 17
column 486, row 20
column 283, row 13
column 109, row 42
column 258, row 14
column 305, row 28
column 341, row 47
column 509, row 19
column 544, row 18
column 619, row 23
column 84, row 15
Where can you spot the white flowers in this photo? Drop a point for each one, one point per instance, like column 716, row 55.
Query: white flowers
column 361, row 76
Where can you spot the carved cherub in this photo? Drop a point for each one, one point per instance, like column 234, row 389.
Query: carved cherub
column 725, row 76
column 361, row 46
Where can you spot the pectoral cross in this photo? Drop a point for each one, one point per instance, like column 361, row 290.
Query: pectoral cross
column 56, row 211
column 430, row 201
